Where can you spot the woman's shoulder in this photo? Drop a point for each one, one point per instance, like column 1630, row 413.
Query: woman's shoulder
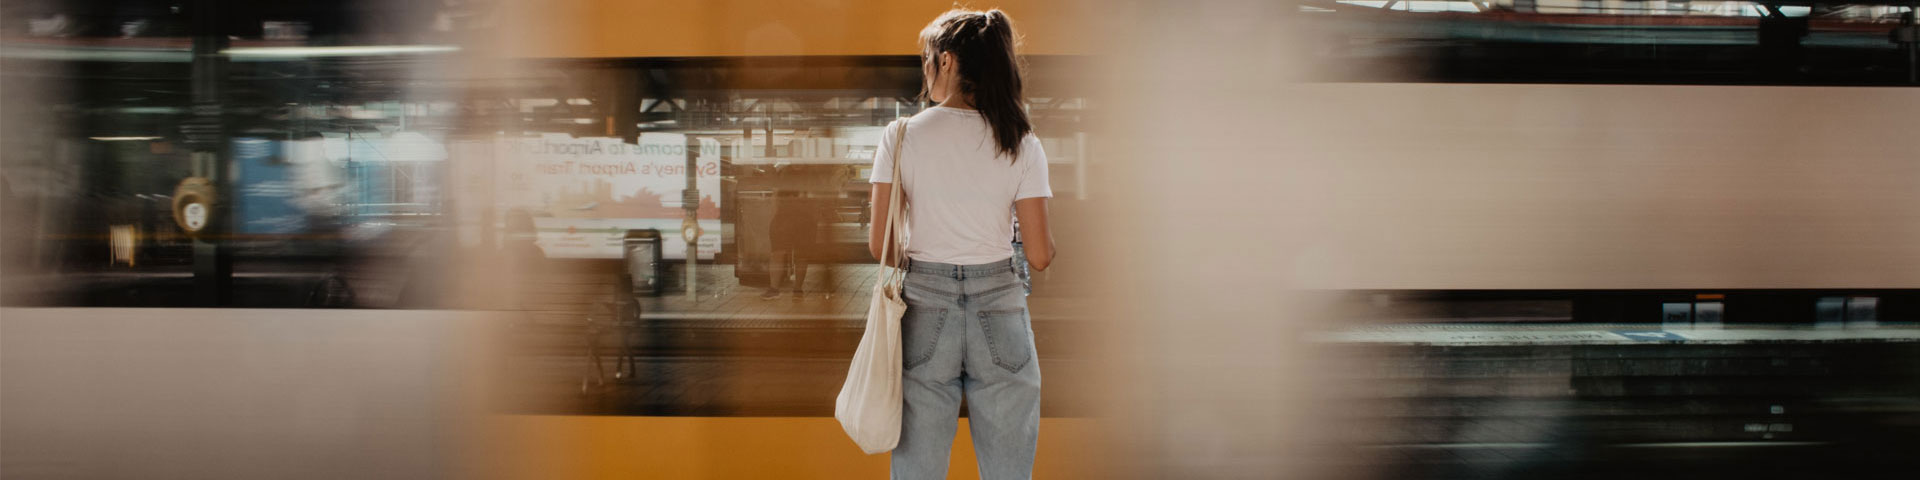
column 1031, row 149
column 923, row 123
column 898, row 123
column 937, row 114
column 916, row 123
column 891, row 133
column 919, row 120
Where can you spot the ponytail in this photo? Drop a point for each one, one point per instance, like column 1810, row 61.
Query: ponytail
column 983, row 44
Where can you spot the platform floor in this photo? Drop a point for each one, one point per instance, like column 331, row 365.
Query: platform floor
column 593, row 447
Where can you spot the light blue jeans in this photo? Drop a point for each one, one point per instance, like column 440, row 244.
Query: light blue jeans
column 967, row 331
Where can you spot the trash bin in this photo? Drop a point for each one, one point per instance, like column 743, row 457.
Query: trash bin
column 641, row 250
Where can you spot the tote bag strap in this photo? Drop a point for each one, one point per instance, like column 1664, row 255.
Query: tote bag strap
column 891, row 245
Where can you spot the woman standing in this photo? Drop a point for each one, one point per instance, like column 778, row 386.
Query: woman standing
column 966, row 332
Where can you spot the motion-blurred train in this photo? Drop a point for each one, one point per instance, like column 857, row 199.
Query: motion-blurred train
column 1601, row 234
column 347, row 172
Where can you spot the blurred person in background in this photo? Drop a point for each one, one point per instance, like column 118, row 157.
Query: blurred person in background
column 966, row 331
column 795, row 230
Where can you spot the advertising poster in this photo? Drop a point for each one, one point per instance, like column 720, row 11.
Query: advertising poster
column 585, row 193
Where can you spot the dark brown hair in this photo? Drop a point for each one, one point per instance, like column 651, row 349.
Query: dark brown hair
column 982, row 43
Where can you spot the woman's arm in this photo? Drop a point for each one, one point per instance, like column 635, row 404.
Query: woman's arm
column 882, row 194
column 1033, row 231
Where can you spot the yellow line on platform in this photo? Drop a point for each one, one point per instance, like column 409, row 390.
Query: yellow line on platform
column 607, row 447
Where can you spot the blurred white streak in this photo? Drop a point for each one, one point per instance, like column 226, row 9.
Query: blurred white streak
column 339, row 51
column 231, row 393
column 1258, row 189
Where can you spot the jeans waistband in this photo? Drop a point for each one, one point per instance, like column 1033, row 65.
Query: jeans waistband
column 959, row 272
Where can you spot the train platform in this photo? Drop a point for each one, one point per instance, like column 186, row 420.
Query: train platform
column 1433, row 400
column 1413, row 400
column 794, row 371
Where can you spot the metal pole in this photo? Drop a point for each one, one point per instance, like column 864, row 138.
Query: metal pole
column 1912, row 48
column 205, row 133
column 690, row 200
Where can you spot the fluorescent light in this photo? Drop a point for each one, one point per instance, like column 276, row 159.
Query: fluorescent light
column 345, row 51
column 123, row 139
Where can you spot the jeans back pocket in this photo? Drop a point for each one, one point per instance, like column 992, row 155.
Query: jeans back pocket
column 920, row 334
column 1009, row 337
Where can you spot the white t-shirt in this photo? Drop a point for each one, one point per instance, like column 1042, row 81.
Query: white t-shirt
column 960, row 190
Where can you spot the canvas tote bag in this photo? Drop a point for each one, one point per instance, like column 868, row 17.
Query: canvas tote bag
column 869, row 404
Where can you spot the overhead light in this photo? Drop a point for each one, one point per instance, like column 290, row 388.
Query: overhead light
column 123, row 139
column 342, row 51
